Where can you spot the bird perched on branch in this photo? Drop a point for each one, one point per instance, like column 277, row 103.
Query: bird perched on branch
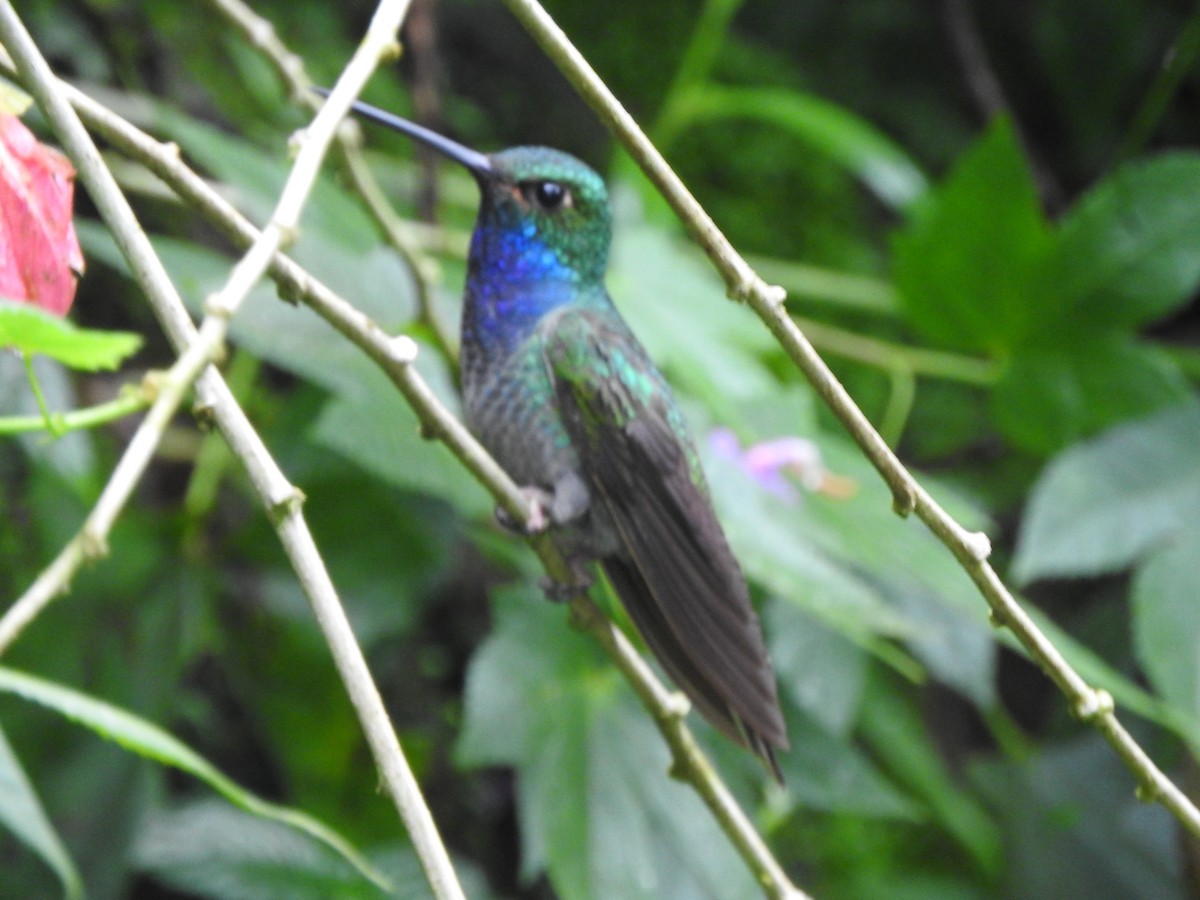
column 562, row 394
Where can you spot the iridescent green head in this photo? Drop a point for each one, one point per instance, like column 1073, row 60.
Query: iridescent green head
column 544, row 216
column 543, row 198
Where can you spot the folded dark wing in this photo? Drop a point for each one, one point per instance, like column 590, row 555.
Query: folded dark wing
column 675, row 573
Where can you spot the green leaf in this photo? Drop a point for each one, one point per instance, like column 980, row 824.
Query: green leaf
column 1073, row 828
column 211, row 849
column 377, row 430
column 1054, row 392
column 1166, row 620
column 1096, row 671
column 1126, row 253
column 598, row 809
column 768, row 537
column 846, row 139
column 831, row 774
column 822, row 671
column 32, row 331
column 150, row 741
column 368, row 421
column 676, row 305
column 292, row 337
column 22, row 813
column 896, row 734
column 1103, row 504
column 966, row 260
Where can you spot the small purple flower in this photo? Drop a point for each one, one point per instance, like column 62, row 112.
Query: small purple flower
column 769, row 462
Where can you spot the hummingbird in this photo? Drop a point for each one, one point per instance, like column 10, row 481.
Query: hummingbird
column 563, row 395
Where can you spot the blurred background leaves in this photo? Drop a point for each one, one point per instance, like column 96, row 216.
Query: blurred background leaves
column 1005, row 282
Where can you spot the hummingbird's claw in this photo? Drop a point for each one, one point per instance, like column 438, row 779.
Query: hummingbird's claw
column 539, row 502
column 564, row 591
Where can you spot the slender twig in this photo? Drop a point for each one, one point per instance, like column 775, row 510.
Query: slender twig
column 1178, row 62
column 889, row 356
column 282, row 500
column 856, row 292
column 49, row 421
column 395, row 357
column 970, row 549
column 289, row 68
column 130, row 400
column 690, row 765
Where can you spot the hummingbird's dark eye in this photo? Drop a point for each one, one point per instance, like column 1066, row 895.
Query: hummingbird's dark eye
column 547, row 195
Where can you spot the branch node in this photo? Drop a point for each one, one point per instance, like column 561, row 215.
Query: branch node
column 744, row 286
column 772, row 295
column 977, row 544
column 292, row 290
column 288, row 234
column 677, row 705
column 92, row 543
column 997, row 619
column 390, row 52
column 295, row 141
column 1147, row 791
column 1094, row 705
column 904, row 501
column 151, row 385
column 261, row 32
column 402, row 350
column 680, row 770
column 215, row 305
column 284, row 506
column 205, row 415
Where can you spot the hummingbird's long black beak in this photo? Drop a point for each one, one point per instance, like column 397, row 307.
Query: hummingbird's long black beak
column 478, row 164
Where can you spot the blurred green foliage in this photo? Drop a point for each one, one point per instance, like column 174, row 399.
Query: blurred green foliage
column 1009, row 294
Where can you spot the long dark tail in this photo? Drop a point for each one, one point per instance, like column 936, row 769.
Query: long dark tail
column 687, row 674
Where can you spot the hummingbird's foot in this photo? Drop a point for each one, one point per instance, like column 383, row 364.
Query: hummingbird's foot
column 564, row 591
column 539, row 501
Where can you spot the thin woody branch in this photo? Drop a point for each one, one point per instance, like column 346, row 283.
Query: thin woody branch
column 395, row 355
column 971, row 549
column 196, row 349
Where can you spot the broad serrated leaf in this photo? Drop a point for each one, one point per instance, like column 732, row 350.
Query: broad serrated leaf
column 598, row 809
column 1054, row 393
column 148, row 740
column 1102, row 504
column 1166, row 620
column 964, row 263
column 32, row 331
column 22, row 814
column 1126, row 253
